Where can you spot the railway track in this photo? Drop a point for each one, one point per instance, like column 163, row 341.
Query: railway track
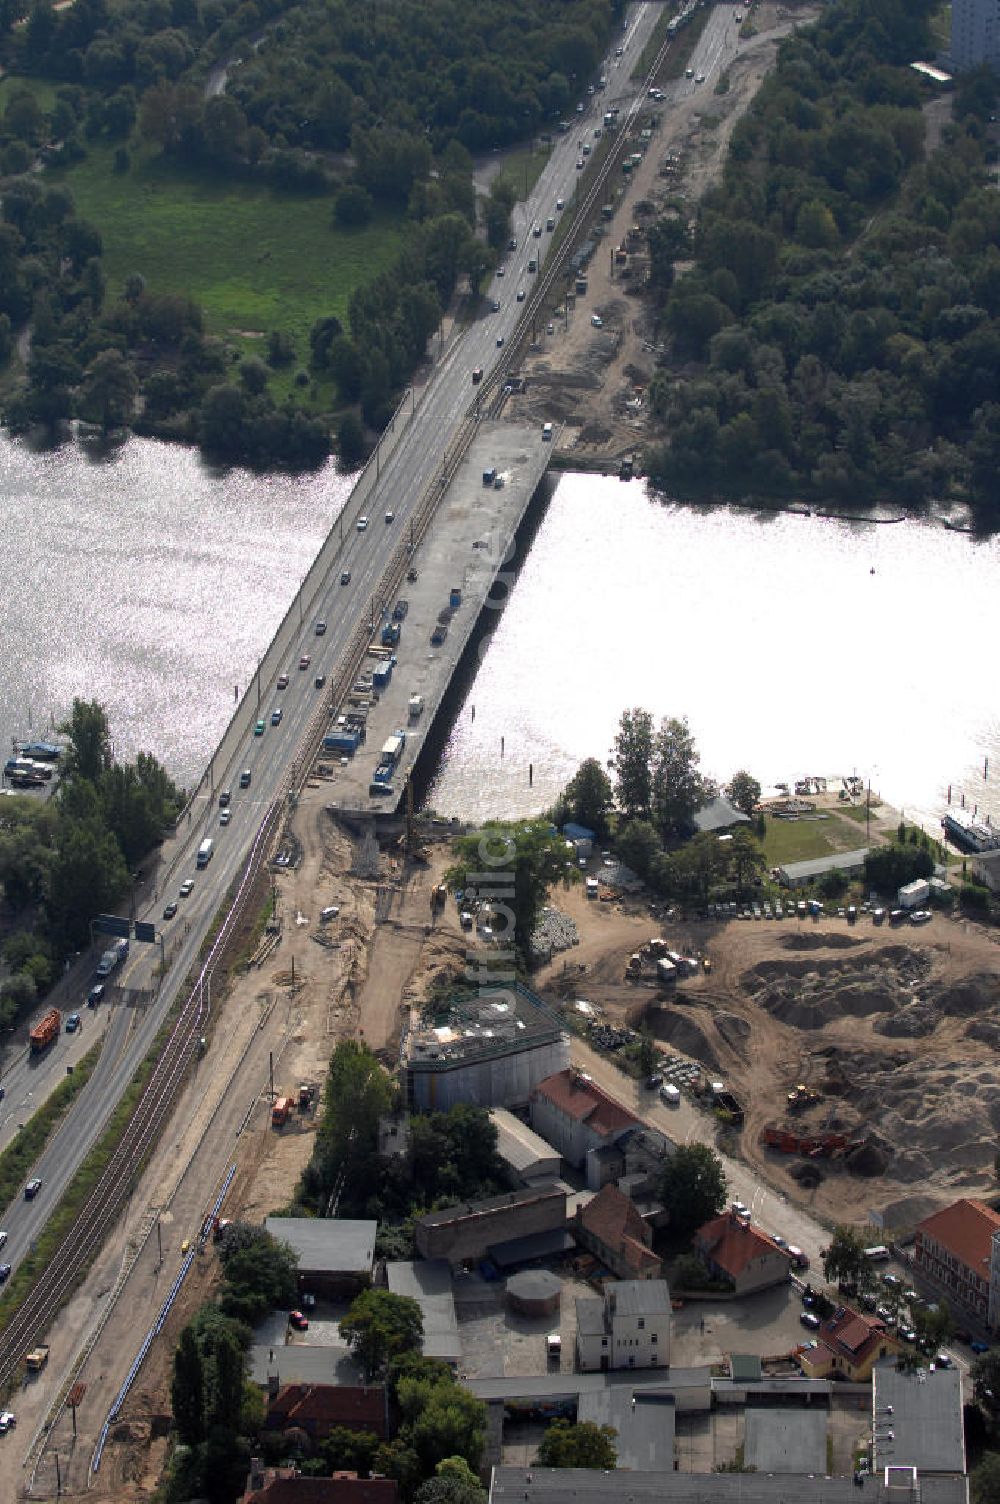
column 95, row 1218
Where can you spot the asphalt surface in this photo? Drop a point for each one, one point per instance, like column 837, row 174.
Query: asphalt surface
column 416, row 462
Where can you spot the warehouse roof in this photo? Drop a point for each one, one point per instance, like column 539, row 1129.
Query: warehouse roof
column 520, row 1145
column 785, row 1440
column 566, row 1485
column 839, row 861
column 428, row 1282
column 327, row 1245
column 926, row 1424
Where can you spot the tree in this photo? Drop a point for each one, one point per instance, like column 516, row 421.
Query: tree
column 692, row 1187
column 590, row 797
column 985, row 1372
column 638, row 845
column 90, row 741
column 353, row 207
column 260, row 1273
column 746, row 859
column 379, row 1327
column 351, row 443
column 984, row 1480
column 632, row 763
column 512, row 867
column 187, row 1398
column 933, row 1325
column 845, row 1261
column 678, row 788
column 441, row 1419
column 743, row 790
column 584, row 1444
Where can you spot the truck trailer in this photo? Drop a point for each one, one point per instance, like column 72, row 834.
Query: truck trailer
column 45, row 1031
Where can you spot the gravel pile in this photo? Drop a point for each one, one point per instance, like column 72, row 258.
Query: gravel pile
column 554, row 933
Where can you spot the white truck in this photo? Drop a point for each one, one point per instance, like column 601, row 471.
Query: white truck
column 914, row 895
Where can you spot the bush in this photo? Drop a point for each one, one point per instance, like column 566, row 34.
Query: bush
column 353, row 208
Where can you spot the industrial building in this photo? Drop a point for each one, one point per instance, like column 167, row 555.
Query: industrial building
column 428, row 1282
column 490, row 1050
column 578, row 1118
column 336, row 1254
column 975, row 34
column 529, row 1159
column 470, row 1229
column 799, row 874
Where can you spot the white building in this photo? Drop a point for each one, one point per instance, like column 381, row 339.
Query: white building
column 975, row 33
column 629, row 1328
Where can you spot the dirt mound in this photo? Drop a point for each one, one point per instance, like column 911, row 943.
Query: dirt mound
column 680, row 1030
column 915, row 1021
column 986, row 1030
column 734, row 1030
column 814, row 992
column 816, row 940
column 870, row 1159
column 975, row 994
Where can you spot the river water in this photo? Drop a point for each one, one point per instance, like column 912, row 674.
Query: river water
column 149, row 582
column 153, row 583
column 794, row 645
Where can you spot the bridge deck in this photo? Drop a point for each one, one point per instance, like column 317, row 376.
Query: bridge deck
column 464, row 548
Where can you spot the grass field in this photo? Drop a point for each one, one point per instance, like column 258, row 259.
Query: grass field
column 254, row 260
column 44, row 92
column 525, row 168
column 812, row 836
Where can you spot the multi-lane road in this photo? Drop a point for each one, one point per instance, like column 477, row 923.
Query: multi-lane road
column 416, row 462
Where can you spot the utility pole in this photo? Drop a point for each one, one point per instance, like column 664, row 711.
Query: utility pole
column 270, row 1072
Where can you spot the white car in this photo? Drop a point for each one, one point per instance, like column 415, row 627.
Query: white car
column 560, row 203
column 187, row 886
column 390, row 517
column 520, row 294
column 8, row 1421
column 597, row 321
column 362, row 524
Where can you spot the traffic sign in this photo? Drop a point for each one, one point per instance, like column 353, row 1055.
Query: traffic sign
column 145, row 931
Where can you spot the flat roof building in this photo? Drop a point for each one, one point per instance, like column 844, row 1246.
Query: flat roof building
column 780, row 1440
column 489, row 1050
column 428, row 1282
column 975, row 34
column 917, row 1419
column 336, row 1254
column 798, row 874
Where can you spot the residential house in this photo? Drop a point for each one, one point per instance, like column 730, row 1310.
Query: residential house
column 986, row 869
column 953, row 1251
column 611, row 1228
column 283, row 1485
column 629, row 1328
column 318, row 1409
column 849, row 1344
column 581, row 1121
column 731, row 1248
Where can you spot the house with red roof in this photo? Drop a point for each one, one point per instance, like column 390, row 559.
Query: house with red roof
column 848, row 1345
column 611, row 1228
column 731, row 1248
column 318, row 1409
column 283, row 1485
column 574, row 1115
column 953, row 1250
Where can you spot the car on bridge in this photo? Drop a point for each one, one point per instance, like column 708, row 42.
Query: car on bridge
column 520, row 294
column 320, row 680
column 245, row 777
column 186, row 887
column 276, row 716
column 96, row 993
column 258, row 729
column 170, row 910
column 32, row 1188
column 345, row 576
column 72, row 1023
column 8, row 1421
column 225, row 815
column 304, row 661
column 4, row 1273
column 282, row 681
column 320, row 628
column 362, row 523
column 390, row 516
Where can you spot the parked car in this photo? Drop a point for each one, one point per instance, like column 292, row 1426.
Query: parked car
column 298, row 1321
column 32, row 1188
column 72, row 1023
column 810, row 1319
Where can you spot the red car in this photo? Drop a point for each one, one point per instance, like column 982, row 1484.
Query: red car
column 298, row 1321
column 304, row 661
column 282, row 681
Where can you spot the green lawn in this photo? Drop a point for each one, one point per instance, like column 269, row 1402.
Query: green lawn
column 809, row 836
column 525, row 168
column 44, row 92
column 253, row 259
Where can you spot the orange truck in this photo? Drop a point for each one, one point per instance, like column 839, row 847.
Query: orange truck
column 280, row 1112
column 45, row 1031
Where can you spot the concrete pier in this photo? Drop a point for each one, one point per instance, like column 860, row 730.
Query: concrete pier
column 468, row 546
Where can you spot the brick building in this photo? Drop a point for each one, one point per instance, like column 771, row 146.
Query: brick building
column 731, row 1248
column 470, row 1229
column 611, row 1228
column 849, row 1345
column 576, row 1117
column 318, row 1409
column 953, row 1250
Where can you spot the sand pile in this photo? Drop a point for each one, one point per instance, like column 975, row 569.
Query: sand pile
column 680, row 1030
column 734, row 1030
column 810, row 994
